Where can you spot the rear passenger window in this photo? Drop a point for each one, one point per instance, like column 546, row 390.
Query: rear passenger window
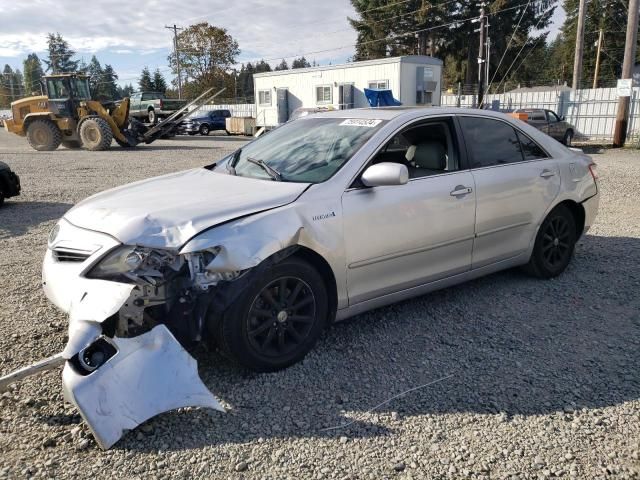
column 530, row 149
column 490, row 142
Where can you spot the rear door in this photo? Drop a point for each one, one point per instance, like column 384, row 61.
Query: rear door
column 516, row 182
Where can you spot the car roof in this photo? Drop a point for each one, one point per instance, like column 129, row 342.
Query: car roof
column 391, row 113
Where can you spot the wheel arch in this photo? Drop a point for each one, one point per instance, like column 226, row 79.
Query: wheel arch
column 28, row 120
column 318, row 262
column 579, row 215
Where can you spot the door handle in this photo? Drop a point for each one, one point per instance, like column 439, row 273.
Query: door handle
column 460, row 191
column 547, row 173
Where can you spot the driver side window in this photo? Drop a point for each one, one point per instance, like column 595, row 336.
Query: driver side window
column 426, row 149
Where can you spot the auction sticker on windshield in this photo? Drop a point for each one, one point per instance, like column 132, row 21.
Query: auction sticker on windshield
column 360, row 122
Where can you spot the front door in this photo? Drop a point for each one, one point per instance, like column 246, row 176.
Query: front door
column 398, row 237
column 515, row 185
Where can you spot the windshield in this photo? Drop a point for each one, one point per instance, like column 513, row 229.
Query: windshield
column 308, row 150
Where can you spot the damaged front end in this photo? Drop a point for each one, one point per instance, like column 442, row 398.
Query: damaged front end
column 132, row 314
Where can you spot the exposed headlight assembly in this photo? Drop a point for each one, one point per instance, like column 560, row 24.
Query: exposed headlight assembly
column 130, row 264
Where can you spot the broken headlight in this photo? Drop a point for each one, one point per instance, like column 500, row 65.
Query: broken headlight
column 130, row 264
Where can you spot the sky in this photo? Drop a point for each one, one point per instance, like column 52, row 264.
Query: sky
column 131, row 37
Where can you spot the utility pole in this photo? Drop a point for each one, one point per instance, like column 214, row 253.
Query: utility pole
column 622, row 118
column 597, row 70
column 577, row 59
column 488, row 62
column 481, row 55
column 175, row 52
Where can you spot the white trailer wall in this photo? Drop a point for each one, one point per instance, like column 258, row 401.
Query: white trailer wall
column 397, row 74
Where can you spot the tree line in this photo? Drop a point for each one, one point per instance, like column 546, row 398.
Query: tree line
column 445, row 30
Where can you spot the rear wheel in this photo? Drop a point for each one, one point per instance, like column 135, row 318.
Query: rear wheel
column 72, row 144
column 96, row 134
column 277, row 320
column 44, row 135
column 554, row 245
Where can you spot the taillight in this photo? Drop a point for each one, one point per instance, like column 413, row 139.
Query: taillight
column 594, row 171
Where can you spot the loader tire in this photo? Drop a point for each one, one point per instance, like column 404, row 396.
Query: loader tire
column 96, row 134
column 44, row 135
column 72, row 144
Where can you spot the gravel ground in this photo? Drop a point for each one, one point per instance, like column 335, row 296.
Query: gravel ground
column 542, row 377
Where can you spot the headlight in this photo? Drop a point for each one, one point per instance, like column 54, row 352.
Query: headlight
column 53, row 234
column 129, row 263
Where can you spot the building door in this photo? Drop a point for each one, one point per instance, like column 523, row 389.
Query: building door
column 283, row 105
column 345, row 96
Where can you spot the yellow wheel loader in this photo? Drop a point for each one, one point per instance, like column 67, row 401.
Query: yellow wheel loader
column 67, row 116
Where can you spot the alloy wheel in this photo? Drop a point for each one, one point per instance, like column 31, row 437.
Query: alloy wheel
column 281, row 317
column 556, row 242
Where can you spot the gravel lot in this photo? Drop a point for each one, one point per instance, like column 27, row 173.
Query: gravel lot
column 543, row 376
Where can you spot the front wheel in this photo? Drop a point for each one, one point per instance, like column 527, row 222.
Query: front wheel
column 277, row 320
column 204, row 130
column 153, row 118
column 95, row 134
column 554, row 245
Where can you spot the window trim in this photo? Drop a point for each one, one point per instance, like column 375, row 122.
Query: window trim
column 265, row 104
column 386, row 83
column 323, row 86
column 456, row 135
column 469, row 154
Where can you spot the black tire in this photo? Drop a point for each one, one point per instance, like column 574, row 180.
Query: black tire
column 95, row 134
column 72, row 144
column 554, row 245
column 153, row 118
column 1, row 196
column 204, row 130
column 277, row 340
column 44, row 135
column 567, row 140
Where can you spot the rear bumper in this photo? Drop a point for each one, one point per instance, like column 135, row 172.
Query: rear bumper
column 590, row 211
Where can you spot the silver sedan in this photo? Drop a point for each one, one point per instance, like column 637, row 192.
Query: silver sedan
column 319, row 220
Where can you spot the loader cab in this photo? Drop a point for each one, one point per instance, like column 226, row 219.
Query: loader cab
column 65, row 93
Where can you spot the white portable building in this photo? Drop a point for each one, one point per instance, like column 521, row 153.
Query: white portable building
column 413, row 80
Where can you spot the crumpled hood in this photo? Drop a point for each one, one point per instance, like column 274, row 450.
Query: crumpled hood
column 167, row 211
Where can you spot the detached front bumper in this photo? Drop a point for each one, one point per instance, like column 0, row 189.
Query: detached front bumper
column 189, row 128
column 116, row 383
column 147, row 375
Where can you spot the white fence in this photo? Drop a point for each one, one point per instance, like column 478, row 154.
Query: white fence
column 591, row 111
column 237, row 110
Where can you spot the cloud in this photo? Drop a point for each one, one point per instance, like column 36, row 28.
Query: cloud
column 264, row 29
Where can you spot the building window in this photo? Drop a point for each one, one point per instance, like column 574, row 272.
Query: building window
column 379, row 84
column 264, row 98
column 323, row 94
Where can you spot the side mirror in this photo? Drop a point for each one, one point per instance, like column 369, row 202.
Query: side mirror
column 385, row 174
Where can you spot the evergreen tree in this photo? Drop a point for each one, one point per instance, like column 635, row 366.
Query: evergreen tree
column 159, row 83
column 32, row 74
column 60, row 54
column 145, row 83
column 262, row 66
column 282, row 65
column 108, row 86
column 95, row 73
column 126, row 91
column 300, row 63
column 245, row 80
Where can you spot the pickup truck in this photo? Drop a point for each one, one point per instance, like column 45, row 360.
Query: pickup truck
column 152, row 106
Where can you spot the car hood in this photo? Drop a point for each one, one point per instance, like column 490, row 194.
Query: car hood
column 167, row 211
